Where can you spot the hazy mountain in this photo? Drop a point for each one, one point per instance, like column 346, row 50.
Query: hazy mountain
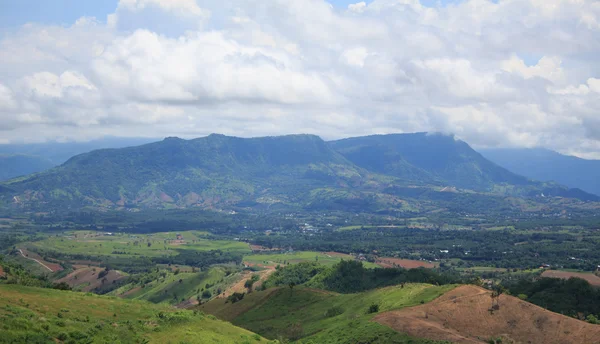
column 547, row 165
column 427, row 158
column 18, row 165
column 59, row 152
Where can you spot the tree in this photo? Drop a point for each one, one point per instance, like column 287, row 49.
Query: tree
column 248, row 285
column 291, row 285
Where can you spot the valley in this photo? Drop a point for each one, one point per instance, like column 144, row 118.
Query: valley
column 292, row 239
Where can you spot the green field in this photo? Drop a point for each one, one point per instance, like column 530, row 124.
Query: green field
column 155, row 245
column 323, row 317
column 33, row 315
column 298, row 257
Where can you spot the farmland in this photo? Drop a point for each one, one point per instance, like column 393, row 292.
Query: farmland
column 588, row 276
column 272, row 260
column 156, row 245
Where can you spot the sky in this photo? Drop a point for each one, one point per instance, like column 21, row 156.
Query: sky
column 504, row 73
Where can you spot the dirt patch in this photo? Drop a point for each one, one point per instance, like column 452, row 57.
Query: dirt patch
column 238, row 287
column 463, row 316
column 388, row 262
column 591, row 278
column 87, row 278
column 131, row 291
column 53, row 267
column 2, row 273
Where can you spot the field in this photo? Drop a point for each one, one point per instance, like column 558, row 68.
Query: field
column 463, row 316
column 272, row 260
column 32, row 315
column 123, row 245
column 588, row 276
column 321, row 316
column 388, row 262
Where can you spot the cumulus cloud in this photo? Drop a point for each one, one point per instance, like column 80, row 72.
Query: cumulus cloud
column 495, row 73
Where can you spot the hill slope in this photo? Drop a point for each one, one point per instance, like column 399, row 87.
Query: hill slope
column 462, row 316
column 33, row 315
column 321, row 316
column 426, row 157
column 547, row 165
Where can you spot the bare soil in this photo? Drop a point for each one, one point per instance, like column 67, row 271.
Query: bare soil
column 37, row 258
column 88, row 278
column 388, row 262
column 463, row 316
column 591, row 278
column 2, row 273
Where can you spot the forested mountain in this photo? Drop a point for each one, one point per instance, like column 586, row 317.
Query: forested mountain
column 18, row 165
column 427, row 157
column 546, row 165
column 374, row 173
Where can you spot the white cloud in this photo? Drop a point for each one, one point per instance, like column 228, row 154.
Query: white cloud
column 249, row 67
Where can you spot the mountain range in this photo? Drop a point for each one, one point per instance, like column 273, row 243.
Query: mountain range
column 546, row 165
column 378, row 173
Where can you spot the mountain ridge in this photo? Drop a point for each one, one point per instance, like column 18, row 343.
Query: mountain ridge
column 302, row 170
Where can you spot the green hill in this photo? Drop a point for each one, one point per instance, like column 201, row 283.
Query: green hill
column 317, row 316
column 209, row 171
column 34, row 315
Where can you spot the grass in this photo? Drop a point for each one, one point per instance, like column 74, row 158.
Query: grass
column 303, row 313
column 161, row 244
column 298, row 257
column 33, row 315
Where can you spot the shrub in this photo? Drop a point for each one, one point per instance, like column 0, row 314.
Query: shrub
column 334, row 311
column 374, row 308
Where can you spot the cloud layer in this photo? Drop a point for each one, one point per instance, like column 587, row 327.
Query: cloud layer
column 504, row 73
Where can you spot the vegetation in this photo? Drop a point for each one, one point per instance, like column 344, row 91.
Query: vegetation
column 34, row 315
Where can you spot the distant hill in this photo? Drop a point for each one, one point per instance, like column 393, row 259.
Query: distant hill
column 426, row 158
column 12, row 166
column 546, row 165
column 59, row 152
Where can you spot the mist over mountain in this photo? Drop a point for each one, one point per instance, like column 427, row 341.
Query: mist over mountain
column 18, row 165
column 546, row 165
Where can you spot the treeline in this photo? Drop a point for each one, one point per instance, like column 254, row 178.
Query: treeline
column 349, row 276
column 200, row 259
column 573, row 297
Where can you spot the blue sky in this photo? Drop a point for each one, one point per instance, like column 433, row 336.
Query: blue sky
column 18, row 12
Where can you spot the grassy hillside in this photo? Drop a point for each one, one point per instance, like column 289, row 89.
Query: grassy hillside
column 33, row 315
column 323, row 317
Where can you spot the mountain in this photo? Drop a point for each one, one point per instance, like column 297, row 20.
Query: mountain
column 424, row 157
column 19, row 165
column 547, row 165
column 212, row 170
column 374, row 173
